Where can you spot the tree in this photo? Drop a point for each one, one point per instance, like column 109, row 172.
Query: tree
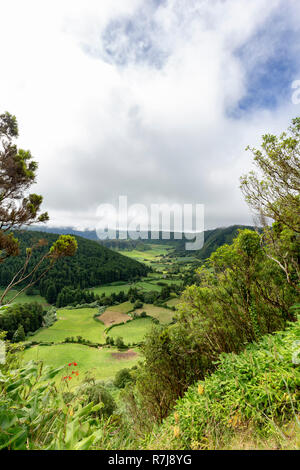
column 51, row 294
column 65, row 245
column 17, row 174
column 122, row 378
column 120, row 343
column 19, row 334
column 275, row 194
column 18, row 208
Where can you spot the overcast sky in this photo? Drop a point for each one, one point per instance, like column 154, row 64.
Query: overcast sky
column 153, row 99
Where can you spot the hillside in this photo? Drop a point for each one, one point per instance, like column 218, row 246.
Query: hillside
column 250, row 402
column 92, row 265
column 212, row 240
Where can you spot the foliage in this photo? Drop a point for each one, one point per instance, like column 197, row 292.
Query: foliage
column 29, row 274
column 33, row 414
column 242, row 295
column 259, row 387
column 122, row 378
column 20, row 208
column 19, row 334
column 17, row 174
column 276, row 193
column 120, row 342
column 92, row 263
column 69, row 296
column 98, row 394
column 29, row 315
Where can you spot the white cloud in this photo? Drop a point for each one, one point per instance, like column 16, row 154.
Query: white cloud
column 156, row 132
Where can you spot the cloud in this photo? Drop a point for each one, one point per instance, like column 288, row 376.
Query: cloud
column 152, row 99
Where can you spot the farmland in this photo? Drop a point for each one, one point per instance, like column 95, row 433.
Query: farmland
column 153, row 255
column 98, row 363
column 77, row 322
column 23, row 298
column 67, row 339
column 132, row 332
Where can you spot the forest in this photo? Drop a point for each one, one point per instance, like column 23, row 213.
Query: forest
column 92, row 265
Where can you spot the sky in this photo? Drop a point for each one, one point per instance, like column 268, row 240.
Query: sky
column 152, row 99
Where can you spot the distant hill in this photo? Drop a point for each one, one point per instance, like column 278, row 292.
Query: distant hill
column 92, row 265
column 218, row 237
column 212, row 240
column 89, row 234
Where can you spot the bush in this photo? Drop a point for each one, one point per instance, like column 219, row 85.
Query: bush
column 122, row 378
column 99, row 394
column 120, row 343
column 29, row 315
column 50, row 317
column 259, row 387
column 138, row 304
column 19, row 335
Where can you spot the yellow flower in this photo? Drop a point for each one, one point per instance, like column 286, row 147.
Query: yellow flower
column 200, row 389
column 176, row 417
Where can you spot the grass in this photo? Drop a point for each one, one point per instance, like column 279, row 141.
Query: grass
column 77, row 322
column 125, row 307
column 96, row 362
column 147, row 257
column 164, row 315
column 173, row 302
column 23, row 298
column 148, row 286
column 132, row 332
column 109, row 289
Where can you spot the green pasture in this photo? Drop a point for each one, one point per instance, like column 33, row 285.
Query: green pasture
column 23, row 298
column 163, row 315
column 76, row 322
column 173, row 302
column 96, row 362
column 109, row 289
column 133, row 331
column 125, row 307
column 149, row 256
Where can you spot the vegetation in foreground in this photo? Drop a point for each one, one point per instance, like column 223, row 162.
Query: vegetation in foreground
column 252, row 400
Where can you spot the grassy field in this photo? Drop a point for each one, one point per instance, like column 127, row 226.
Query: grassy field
column 122, row 308
column 173, row 302
column 147, row 257
column 99, row 363
column 164, row 315
column 132, row 332
column 23, row 298
column 148, row 286
column 109, row 289
column 77, row 322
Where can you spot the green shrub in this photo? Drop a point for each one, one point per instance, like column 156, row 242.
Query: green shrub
column 138, row 304
column 260, row 386
column 122, row 378
column 19, row 335
column 120, row 343
column 98, row 394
